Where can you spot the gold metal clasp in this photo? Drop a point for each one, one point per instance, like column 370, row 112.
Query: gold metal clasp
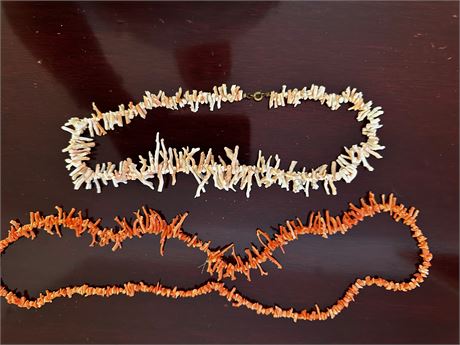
column 257, row 96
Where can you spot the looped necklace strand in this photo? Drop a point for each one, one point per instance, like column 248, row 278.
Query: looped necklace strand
column 226, row 174
column 150, row 222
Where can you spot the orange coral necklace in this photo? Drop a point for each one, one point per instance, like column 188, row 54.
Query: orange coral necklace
column 150, row 222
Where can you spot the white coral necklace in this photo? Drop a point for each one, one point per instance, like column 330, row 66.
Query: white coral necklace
column 225, row 174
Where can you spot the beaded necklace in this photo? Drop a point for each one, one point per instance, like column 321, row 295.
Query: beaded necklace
column 150, row 222
column 227, row 174
column 204, row 166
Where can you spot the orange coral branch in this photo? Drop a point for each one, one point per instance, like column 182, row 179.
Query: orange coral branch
column 152, row 223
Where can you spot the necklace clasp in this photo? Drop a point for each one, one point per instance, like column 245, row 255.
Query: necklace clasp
column 257, row 96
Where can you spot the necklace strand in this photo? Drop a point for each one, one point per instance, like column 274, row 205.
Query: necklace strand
column 151, row 222
column 204, row 166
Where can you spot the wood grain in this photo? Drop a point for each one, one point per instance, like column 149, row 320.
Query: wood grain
column 59, row 57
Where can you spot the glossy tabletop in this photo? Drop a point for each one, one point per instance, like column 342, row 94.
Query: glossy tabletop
column 57, row 58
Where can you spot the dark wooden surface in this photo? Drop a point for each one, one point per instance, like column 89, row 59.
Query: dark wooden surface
column 59, row 57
